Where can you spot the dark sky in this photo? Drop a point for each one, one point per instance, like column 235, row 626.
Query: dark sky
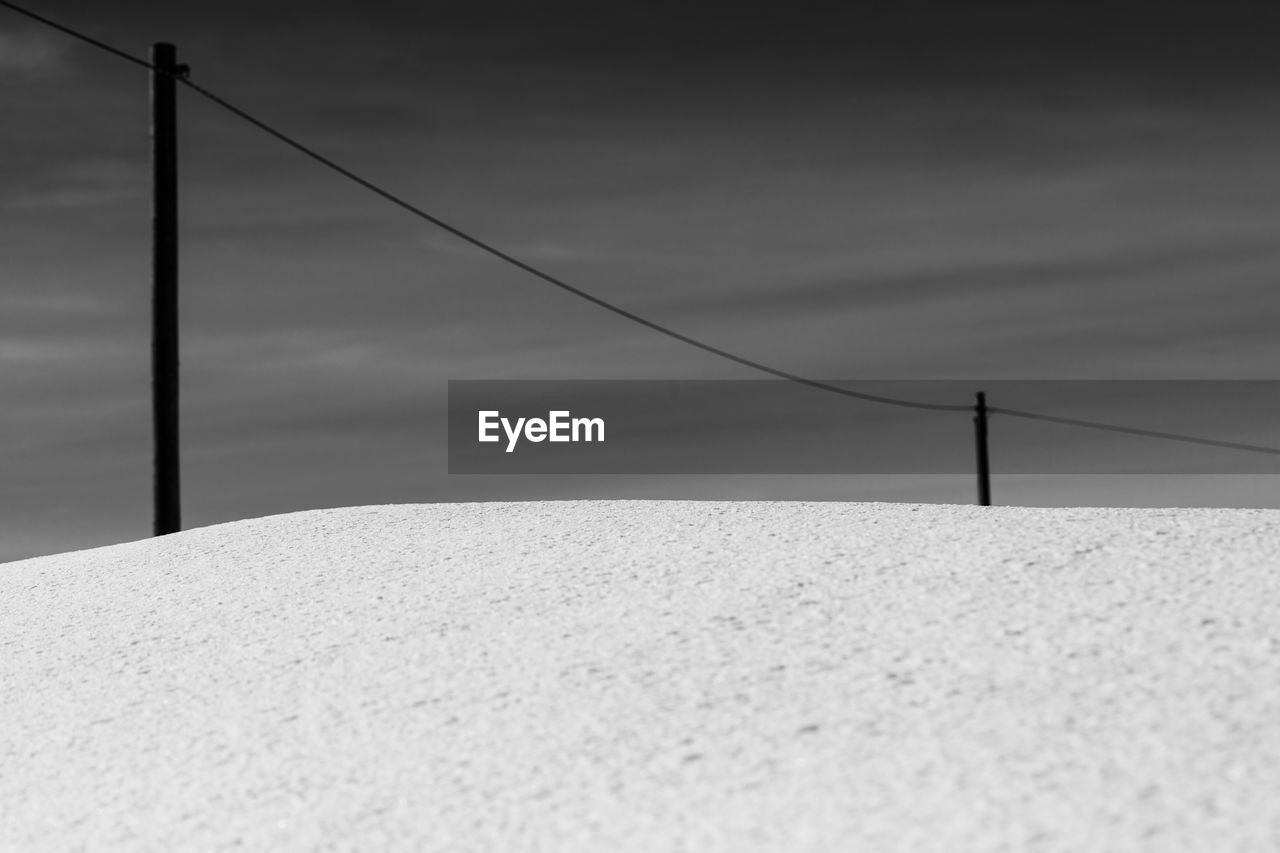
column 888, row 190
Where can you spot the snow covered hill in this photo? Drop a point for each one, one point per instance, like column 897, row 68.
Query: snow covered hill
column 651, row 676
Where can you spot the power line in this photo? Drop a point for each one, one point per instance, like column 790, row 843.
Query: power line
column 184, row 79
column 78, row 35
column 547, row 277
column 1172, row 436
column 486, row 247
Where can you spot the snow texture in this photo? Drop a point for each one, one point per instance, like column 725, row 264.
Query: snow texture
column 651, row 676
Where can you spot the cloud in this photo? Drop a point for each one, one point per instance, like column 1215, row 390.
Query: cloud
column 69, row 197
column 31, row 54
column 529, row 251
column 46, row 352
column 1182, row 267
column 89, row 183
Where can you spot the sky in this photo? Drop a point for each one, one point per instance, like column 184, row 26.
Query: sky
column 899, row 191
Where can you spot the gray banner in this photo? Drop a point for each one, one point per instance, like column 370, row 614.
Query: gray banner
column 781, row 427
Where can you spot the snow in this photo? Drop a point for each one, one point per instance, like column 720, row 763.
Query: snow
column 651, row 676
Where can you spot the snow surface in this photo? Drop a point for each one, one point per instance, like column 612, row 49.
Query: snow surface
column 651, row 676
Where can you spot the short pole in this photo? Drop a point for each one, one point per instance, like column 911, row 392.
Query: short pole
column 980, row 439
column 164, row 292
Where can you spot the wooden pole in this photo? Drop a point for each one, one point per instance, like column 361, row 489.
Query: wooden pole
column 164, row 293
column 980, row 438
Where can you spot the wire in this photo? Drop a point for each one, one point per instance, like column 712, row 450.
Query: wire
column 93, row 41
column 1172, row 436
column 184, row 79
column 547, row 277
column 481, row 244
